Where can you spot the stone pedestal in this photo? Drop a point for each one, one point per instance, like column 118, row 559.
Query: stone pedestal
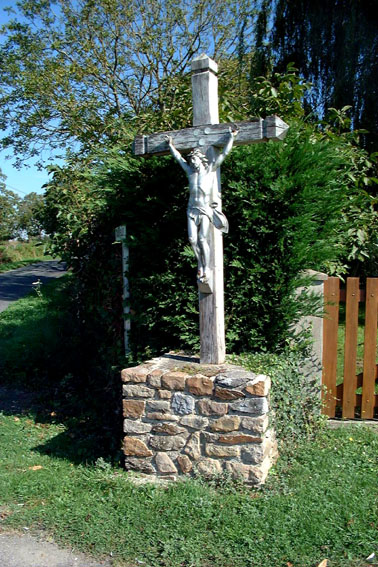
column 186, row 418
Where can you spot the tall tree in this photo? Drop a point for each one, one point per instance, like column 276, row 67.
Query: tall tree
column 29, row 214
column 83, row 70
column 334, row 44
column 8, row 211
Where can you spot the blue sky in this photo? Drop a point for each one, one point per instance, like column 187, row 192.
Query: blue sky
column 29, row 178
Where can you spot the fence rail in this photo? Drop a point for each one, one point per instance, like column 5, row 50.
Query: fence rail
column 343, row 398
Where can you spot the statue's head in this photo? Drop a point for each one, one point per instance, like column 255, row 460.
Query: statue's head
column 197, row 157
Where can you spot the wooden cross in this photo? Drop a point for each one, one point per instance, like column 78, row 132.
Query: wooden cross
column 208, row 135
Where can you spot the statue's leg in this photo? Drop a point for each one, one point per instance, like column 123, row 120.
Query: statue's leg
column 193, row 239
column 204, row 245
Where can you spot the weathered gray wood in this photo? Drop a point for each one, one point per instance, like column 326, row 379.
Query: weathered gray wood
column 255, row 131
column 211, row 305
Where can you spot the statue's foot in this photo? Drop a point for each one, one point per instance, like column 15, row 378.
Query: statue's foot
column 204, row 278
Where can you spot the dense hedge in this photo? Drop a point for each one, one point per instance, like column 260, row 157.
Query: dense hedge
column 284, row 202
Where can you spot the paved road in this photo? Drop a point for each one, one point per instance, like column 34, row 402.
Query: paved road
column 27, row 551
column 18, row 283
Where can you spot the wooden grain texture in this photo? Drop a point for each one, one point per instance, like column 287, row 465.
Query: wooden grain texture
column 211, row 305
column 330, row 331
column 206, row 134
column 370, row 349
column 350, row 354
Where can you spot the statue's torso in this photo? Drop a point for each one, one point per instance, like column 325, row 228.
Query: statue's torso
column 200, row 188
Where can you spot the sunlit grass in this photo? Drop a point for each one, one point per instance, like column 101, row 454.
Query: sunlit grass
column 15, row 255
column 318, row 505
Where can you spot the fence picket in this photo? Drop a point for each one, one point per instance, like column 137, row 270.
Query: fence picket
column 370, row 349
column 350, row 353
column 330, row 328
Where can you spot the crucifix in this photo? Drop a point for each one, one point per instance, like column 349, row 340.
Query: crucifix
column 208, row 143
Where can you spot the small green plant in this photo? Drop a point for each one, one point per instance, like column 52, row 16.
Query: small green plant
column 37, row 287
column 295, row 395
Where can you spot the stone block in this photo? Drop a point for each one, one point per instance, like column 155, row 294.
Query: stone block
column 140, row 465
column 209, row 467
column 256, row 454
column 133, row 408
column 210, row 437
column 185, row 464
column 174, row 380
column 238, row 439
column 208, row 407
column 252, row 406
column 165, row 394
column 221, row 451
column 182, row 404
column 193, row 447
column 258, row 474
column 154, row 378
column 158, row 416
column 167, row 443
column 226, row 423
column 200, row 385
column 259, row 386
column 257, row 425
column 169, row 429
column 137, row 391
column 132, row 446
column 164, row 464
column 238, row 470
column 194, row 421
column 233, row 378
column 138, row 427
column 161, row 406
column 136, row 374
column 227, row 394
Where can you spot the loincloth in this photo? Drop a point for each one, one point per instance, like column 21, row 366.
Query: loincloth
column 215, row 216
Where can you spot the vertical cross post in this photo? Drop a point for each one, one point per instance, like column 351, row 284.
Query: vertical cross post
column 211, row 305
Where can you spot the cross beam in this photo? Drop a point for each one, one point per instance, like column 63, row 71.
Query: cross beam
column 254, row 131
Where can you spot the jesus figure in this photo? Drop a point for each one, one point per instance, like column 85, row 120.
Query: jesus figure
column 203, row 208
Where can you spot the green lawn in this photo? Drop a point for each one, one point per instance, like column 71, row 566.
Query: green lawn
column 319, row 504
column 360, row 345
column 320, row 500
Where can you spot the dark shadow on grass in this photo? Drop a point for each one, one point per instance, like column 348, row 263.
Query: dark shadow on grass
column 49, row 371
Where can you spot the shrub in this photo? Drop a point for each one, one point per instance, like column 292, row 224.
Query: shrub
column 284, row 202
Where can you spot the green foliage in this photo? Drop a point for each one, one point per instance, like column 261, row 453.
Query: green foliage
column 29, row 215
column 8, row 212
column 282, row 94
column 83, row 71
column 295, row 394
column 334, row 46
column 284, row 201
column 18, row 253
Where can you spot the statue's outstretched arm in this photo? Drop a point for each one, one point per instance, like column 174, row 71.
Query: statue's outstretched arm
column 227, row 148
column 176, row 154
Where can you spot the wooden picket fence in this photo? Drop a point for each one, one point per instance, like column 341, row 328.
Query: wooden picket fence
column 342, row 400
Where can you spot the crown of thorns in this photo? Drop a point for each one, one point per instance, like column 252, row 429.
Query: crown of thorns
column 197, row 152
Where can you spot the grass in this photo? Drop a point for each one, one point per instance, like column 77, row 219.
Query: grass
column 360, row 345
column 316, row 505
column 56, row 476
column 15, row 255
column 32, row 330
